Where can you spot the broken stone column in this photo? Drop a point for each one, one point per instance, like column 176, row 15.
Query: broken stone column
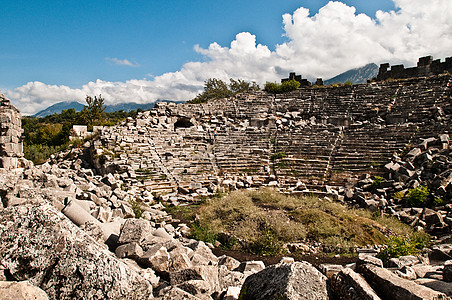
column 11, row 149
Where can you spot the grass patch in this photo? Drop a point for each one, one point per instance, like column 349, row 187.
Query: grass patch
column 263, row 221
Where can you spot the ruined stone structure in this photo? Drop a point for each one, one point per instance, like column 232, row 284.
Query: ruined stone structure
column 303, row 140
column 11, row 149
column 426, row 66
column 293, row 76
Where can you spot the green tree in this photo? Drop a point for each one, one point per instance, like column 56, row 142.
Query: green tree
column 92, row 113
column 242, row 86
column 286, row 86
column 217, row 89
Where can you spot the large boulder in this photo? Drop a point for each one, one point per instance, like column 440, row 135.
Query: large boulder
column 38, row 244
column 390, row 286
column 348, row 284
column 22, row 290
column 299, row 280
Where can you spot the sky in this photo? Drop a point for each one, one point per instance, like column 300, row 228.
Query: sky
column 145, row 50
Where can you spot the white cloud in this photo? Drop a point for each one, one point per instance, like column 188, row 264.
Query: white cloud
column 330, row 42
column 122, row 62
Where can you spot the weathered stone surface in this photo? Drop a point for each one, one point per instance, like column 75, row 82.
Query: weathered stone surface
column 369, row 259
column 39, row 244
column 229, row 262
column 134, row 230
column 130, row 250
column 437, row 285
column 22, row 290
column 157, row 258
column 251, row 266
column 447, row 271
column 390, row 286
column 348, row 284
column 299, row 280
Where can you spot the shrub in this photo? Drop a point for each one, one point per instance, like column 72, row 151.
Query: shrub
column 137, row 209
column 286, row 86
column 348, row 83
column 417, row 196
column 278, row 155
column 398, row 246
column 377, row 181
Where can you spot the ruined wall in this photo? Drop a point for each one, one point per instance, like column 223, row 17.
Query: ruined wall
column 426, row 66
column 11, row 148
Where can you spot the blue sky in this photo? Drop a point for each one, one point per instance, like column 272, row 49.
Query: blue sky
column 62, row 50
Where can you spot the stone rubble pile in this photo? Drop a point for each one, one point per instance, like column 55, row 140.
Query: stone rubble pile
column 427, row 164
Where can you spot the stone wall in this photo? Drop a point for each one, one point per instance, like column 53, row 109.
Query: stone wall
column 426, row 66
column 11, row 149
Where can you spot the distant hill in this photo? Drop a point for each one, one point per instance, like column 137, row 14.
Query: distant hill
column 57, row 108
column 60, row 106
column 358, row 75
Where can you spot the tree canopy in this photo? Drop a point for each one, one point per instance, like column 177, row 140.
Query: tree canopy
column 217, row 89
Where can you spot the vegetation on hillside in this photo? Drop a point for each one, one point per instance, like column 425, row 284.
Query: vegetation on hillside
column 263, row 221
column 44, row 136
column 217, row 89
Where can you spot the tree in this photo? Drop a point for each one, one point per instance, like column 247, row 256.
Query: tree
column 217, row 89
column 92, row 113
column 286, row 86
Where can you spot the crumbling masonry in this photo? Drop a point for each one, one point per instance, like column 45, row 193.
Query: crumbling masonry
column 11, row 149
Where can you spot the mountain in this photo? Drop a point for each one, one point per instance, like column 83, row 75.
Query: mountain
column 58, row 107
column 358, row 75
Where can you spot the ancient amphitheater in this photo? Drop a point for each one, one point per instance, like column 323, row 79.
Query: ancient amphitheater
column 313, row 137
column 67, row 227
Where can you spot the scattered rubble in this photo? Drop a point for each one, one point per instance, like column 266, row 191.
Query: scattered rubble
column 76, row 216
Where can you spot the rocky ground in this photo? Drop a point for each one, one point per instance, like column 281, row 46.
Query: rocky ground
column 69, row 227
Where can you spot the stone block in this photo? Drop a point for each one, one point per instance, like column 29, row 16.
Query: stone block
column 390, row 286
column 348, row 284
column 299, row 280
column 134, row 230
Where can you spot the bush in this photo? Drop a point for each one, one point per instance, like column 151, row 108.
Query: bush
column 377, row 181
column 417, row 196
column 398, row 246
column 278, row 155
column 285, row 87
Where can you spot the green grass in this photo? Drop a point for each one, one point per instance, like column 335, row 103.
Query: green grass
column 263, row 221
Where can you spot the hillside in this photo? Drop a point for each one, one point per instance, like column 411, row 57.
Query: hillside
column 60, row 106
column 355, row 76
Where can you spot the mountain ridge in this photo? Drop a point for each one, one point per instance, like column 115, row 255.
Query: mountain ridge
column 355, row 76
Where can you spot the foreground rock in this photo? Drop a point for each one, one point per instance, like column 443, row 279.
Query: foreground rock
column 299, row 280
column 38, row 244
column 391, row 286
column 23, row 290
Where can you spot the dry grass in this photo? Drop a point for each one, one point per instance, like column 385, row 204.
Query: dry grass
column 267, row 217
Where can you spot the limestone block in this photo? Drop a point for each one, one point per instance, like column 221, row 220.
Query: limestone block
column 39, row 244
column 369, row 259
column 157, row 258
column 130, row 250
column 437, row 285
column 134, row 230
column 299, row 280
column 251, row 266
column 22, row 290
column 391, row 286
column 229, row 262
column 348, row 284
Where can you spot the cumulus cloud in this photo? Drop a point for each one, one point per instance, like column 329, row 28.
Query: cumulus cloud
column 122, row 62
column 332, row 41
